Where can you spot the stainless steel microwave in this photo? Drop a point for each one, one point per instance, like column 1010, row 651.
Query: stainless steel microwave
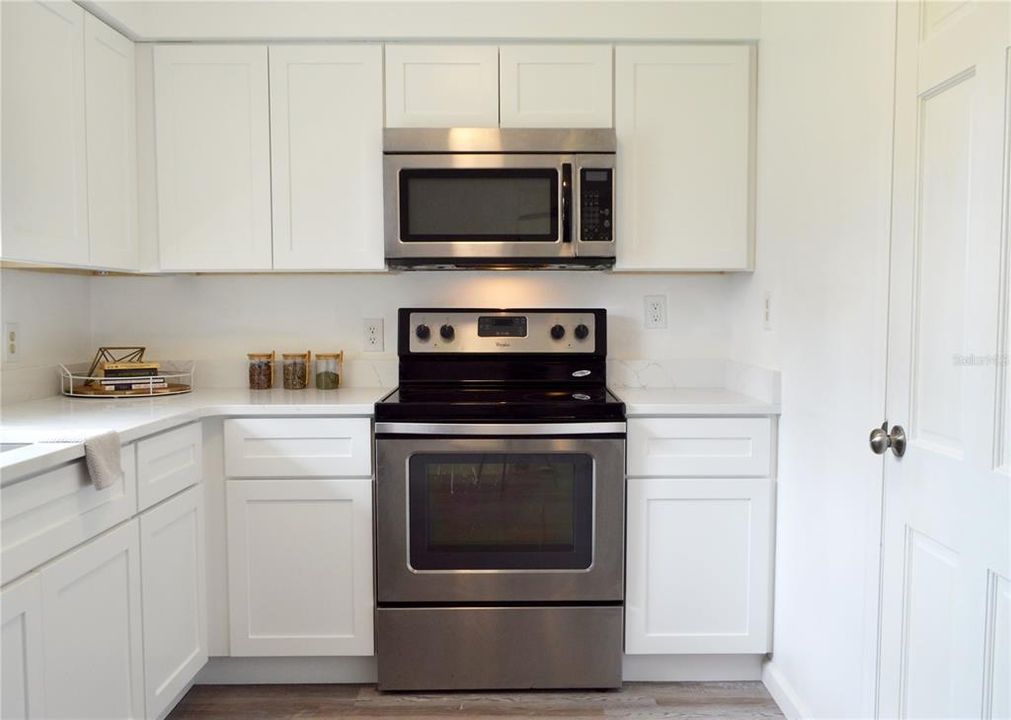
column 509, row 198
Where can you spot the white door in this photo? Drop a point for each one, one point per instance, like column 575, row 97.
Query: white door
column 441, row 86
column 21, row 692
column 300, row 567
column 92, row 626
column 555, row 86
column 946, row 594
column 45, row 213
column 112, row 146
column 684, row 116
column 212, row 139
column 174, row 593
column 326, row 129
column 699, row 566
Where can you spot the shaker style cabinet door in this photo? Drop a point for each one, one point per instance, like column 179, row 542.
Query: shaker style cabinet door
column 566, row 86
column 112, row 147
column 21, row 692
column 441, row 86
column 300, row 567
column 45, row 196
column 699, row 566
column 684, row 116
column 212, row 141
column 326, row 126
column 93, row 652
column 174, row 591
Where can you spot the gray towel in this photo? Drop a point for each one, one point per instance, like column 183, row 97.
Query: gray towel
column 102, row 455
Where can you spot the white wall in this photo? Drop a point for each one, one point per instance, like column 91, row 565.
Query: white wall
column 824, row 154
column 217, row 319
column 53, row 311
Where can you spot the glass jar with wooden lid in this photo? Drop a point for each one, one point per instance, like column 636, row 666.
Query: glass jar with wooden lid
column 261, row 370
column 329, row 368
column 295, row 370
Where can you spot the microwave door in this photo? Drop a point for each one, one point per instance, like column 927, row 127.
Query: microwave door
column 478, row 207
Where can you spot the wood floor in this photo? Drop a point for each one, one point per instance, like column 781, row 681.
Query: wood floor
column 684, row 701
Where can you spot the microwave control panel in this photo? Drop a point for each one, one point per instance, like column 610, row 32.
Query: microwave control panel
column 596, row 212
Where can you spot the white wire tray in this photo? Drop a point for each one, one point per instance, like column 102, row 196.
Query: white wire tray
column 177, row 376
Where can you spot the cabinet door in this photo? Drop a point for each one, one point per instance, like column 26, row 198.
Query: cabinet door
column 112, row 146
column 300, row 567
column 326, row 127
column 684, row 117
column 213, row 154
column 21, row 694
column 555, row 86
column 174, row 591
column 441, row 86
column 45, row 214
column 699, row 566
column 92, row 645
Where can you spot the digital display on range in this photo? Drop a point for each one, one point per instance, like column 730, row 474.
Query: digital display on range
column 497, row 326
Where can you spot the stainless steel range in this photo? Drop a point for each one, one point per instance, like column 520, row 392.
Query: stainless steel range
column 500, row 504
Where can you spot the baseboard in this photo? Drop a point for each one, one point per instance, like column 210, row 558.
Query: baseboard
column 697, row 668
column 284, row 670
column 783, row 693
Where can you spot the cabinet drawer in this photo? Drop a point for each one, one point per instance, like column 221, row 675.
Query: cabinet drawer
column 699, row 447
column 302, row 447
column 168, row 463
column 52, row 512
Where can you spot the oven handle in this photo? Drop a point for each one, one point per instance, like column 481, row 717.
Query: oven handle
column 407, row 428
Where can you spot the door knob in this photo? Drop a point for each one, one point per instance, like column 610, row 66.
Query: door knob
column 881, row 439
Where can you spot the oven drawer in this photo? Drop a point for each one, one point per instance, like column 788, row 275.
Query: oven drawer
column 299, row 447
column 699, row 447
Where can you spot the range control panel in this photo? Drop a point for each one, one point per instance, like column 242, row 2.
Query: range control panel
column 596, row 211
column 502, row 331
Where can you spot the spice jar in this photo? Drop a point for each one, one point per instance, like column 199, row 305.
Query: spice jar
column 328, row 370
column 261, row 371
column 295, row 370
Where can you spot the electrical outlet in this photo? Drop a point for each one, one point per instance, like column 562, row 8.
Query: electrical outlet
column 11, row 337
column 373, row 334
column 767, row 311
column 655, row 308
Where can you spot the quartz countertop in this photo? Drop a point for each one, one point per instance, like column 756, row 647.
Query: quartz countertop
column 45, row 422
column 658, row 402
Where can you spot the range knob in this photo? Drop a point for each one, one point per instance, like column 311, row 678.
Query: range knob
column 581, row 332
column 423, row 332
column 446, row 332
column 557, row 332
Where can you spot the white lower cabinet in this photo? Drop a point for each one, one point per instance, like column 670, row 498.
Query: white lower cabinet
column 21, row 692
column 173, row 585
column 699, row 566
column 92, row 644
column 300, row 567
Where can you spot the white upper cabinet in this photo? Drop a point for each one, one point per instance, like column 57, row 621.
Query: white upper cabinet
column 441, row 86
column 326, row 124
column 213, row 155
column 685, row 120
column 45, row 214
column 112, row 146
column 555, row 86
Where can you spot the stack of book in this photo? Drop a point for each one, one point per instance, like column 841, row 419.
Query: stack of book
column 131, row 376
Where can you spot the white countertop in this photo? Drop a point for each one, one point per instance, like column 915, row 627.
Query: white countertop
column 59, row 418
column 653, row 402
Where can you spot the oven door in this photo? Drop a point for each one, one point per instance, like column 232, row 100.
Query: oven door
column 478, row 208
column 482, row 519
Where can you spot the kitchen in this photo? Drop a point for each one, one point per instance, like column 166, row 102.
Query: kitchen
column 809, row 237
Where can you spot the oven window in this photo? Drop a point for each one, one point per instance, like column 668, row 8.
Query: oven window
column 500, row 511
column 479, row 205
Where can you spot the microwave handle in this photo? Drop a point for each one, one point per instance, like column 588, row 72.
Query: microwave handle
column 567, row 202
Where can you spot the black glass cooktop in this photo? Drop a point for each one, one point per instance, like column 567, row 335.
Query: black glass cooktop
column 491, row 403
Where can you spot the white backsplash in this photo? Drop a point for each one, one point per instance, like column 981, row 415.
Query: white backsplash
column 216, row 319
